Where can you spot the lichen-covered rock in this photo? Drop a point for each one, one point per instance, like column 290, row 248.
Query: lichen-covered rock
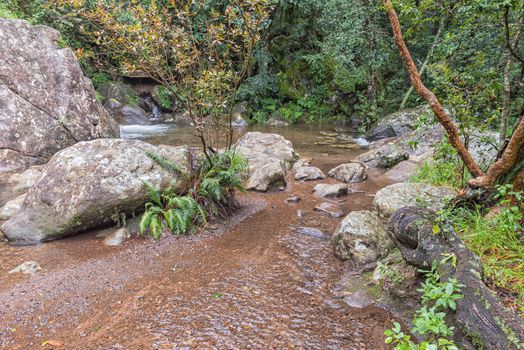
column 307, row 173
column 361, row 238
column 269, row 157
column 88, row 185
column 396, row 196
column 46, row 103
column 330, row 190
column 350, row 172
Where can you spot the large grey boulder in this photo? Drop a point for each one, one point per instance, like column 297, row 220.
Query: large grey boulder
column 350, row 172
column 407, row 120
column 391, row 198
column 418, row 135
column 361, row 238
column 88, row 185
column 46, row 103
column 269, row 156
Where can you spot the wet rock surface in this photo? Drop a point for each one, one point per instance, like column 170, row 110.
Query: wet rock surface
column 349, row 172
column 361, row 238
column 88, row 185
column 381, row 132
column 46, row 102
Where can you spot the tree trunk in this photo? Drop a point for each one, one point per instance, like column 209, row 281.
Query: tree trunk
column 426, row 61
column 509, row 161
column 424, row 92
column 507, row 83
column 481, row 317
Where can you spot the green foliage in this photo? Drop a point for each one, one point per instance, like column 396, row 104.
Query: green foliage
column 206, row 192
column 438, row 297
column 445, row 169
column 7, row 11
column 496, row 239
column 165, row 97
column 99, row 78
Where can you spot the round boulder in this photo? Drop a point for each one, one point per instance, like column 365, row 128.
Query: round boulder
column 350, row 172
column 361, row 238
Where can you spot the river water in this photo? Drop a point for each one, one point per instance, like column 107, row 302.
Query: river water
column 252, row 282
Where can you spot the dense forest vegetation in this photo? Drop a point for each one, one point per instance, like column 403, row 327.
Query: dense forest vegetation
column 318, row 60
column 337, row 62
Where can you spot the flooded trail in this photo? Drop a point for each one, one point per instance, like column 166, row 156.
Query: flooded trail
column 252, row 283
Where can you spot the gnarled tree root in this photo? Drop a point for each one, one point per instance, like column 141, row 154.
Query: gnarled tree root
column 480, row 315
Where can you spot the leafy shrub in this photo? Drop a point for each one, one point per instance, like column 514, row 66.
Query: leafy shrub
column 437, row 297
column 99, row 78
column 208, row 191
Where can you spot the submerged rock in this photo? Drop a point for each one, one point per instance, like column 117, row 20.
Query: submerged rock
column 12, row 207
column 308, row 173
column 29, row 268
column 396, row 196
column 88, row 184
column 118, row 237
column 276, row 122
column 329, row 190
column 349, row 172
column 312, row 232
column 330, row 209
column 46, row 102
column 361, row 238
column 269, row 156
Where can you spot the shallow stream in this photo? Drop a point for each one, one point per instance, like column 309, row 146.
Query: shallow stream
column 252, row 282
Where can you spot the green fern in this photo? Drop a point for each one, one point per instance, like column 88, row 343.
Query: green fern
column 209, row 192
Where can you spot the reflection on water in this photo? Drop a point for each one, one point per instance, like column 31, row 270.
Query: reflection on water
column 308, row 140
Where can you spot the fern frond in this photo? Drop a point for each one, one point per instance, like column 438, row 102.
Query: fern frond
column 153, row 193
column 168, row 165
column 156, row 227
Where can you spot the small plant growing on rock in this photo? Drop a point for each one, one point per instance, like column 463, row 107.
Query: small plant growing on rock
column 437, row 297
column 208, row 191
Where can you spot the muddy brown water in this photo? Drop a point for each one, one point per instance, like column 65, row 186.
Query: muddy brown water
column 251, row 282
